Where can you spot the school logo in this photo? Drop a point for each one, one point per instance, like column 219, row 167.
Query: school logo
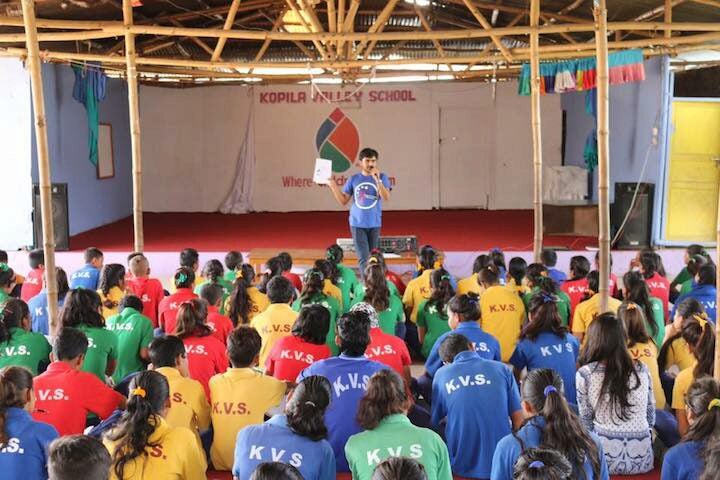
column 338, row 140
column 366, row 195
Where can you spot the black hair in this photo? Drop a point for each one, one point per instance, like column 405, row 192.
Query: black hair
column 442, row 291
column 712, row 459
column 497, row 257
column 7, row 275
column 280, row 290
column 544, row 317
column 70, row 344
column 353, row 328
column 604, row 335
column 233, row 259
column 13, row 383
column 548, row 256
column 399, row 468
column 82, row 307
column 165, row 350
column 312, row 324
column 305, row 410
column 184, row 277
column 427, row 256
column 78, row 456
column 489, row 275
column 701, row 340
column 481, row 261
column 452, row 345
column 385, row 395
column 3, row 256
column 579, row 267
column 212, row 293
column 543, row 390
column 542, row 464
column 286, row 259
column 274, row 268
column 593, row 285
column 36, row 258
column 243, row 345
column 335, row 254
column 329, row 269
column 706, row 275
column 276, row 471
column 633, row 320
column 240, row 302
column 63, row 286
column 467, row 307
column 688, row 309
column 131, row 301
column 189, row 258
column 516, row 269
column 140, row 419
column 133, row 255
column 113, row 275
column 637, row 291
column 213, row 270
column 191, row 318
column 368, row 152
column 314, row 281
column 705, row 427
column 92, row 253
column 377, row 292
column 648, row 263
column 12, row 313
column 694, row 264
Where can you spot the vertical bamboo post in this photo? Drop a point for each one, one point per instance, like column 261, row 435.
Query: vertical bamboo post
column 603, row 139
column 139, row 243
column 33, row 58
column 668, row 17
column 717, row 299
column 536, row 128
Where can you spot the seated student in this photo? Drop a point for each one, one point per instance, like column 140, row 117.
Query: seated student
column 613, row 281
column 615, row 398
column 18, row 345
column 278, row 318
column 348, row 374
column 692, row 269
column 477, row 412
column 213, row 273
column 134, row 333
column 659, row 285
column 190, row 259
column 432, row 319
column 7, row 281
column 346, row 279
column 190, row 407
column 240, row 396
column 143, row 446
column 517, row 269
column 81, row 311
column 89, row 275
column 78, row 456
column 419, row 287
column 540, row 463
column 589, row 308
column 675, row 355
column 502, row 312
column 147, row 289
column 24, row 440
column 221, row 325
column 701, row 342
column 33, row 281
column 704, row 291
column 382, row 412
column 300, row 435
column 205, row 353
column 167, row 310
column 305, row 346
column 38, row 304
column 549, row 422
column 576, row 286
column 399, row 468
column 111, row 289
column 686, row 460
column 64, row 395
column 636, row 290
column 329, row 288
column 549, row 260
column 545, row 343
column 275, row 471
column 684, row 275
column 385, row 348
column 472, row 283
column 313, row 294
column 245, row 301
column 395, row 282
column 538, row 281
column 273, row 268
column 497, row 259
column 377, row 293
column 287, row 264
column 233, row 260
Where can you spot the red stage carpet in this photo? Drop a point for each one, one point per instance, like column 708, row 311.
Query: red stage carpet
column 654, row 475
column 450, row 230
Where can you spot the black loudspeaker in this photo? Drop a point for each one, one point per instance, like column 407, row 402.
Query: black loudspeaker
column 638, row 228
column 61, row 221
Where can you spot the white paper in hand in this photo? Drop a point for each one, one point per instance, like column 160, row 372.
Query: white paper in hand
column 323, row 171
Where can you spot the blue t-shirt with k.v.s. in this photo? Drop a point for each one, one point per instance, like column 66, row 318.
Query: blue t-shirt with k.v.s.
column 366, row 208
column 87, row 277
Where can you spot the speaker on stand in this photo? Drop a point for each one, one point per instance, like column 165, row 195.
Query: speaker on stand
column 637, row 230
column 61, row 220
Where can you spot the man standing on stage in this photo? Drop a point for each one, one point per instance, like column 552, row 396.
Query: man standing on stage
column 368, row 189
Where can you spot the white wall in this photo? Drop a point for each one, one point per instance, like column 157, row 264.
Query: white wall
column 190, row 140
column 15, row 133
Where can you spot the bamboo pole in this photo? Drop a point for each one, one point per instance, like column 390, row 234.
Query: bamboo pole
column 668, row 17
column 130, row 59
column 603, row 140
column 229, row 20
column 379, row 23
column 316, row 42
column 717, row 298
column 536, row 130
column 332, row 16
column 486, row 25
column 46, row 210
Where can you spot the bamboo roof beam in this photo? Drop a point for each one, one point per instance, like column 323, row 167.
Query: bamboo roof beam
column 574, row 5
column 508, row 9
column 316, row 42
column 348, row 26
column 668, row 17
column 711, row 3
column 332, row 16
column 266, row 43
column 228, row 25
column 486, row 25
column 428, row 28
column 247, row 6
column 195, row 40
column 378, row 24
column 315, row 22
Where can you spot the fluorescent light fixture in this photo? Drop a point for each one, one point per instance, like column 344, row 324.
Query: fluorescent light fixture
column 419, row 3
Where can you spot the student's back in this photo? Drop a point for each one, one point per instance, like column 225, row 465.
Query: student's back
column 38, row 306
column 18, row 346
column 502, row 315
column 151, row 292
column 134, row 333
column 87, row 277
column 277, row 320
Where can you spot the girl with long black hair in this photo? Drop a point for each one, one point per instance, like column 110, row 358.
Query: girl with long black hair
column 377, row 293
column 635, row 290
column 21, row 347
column 313, row 294
column 246, row 300
column 538, row 280
column 432, row 318
column 111, row 288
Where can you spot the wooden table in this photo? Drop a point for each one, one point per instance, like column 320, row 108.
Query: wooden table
column 307, row 257
column 571, row 218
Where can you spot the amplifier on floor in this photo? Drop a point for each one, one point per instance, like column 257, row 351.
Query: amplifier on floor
column 389, row 244
column 61, row 221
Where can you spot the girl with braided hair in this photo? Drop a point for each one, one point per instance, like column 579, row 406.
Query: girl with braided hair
column 538, row 280
column 313, row 294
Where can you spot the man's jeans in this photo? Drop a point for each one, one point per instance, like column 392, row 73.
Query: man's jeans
column 365, row 239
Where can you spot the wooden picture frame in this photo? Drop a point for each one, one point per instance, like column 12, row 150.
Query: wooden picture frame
column 106, row 159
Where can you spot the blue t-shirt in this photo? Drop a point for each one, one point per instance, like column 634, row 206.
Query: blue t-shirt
column 683, row 461
column 273, row 441
column 705, row 294
column 366, row 208
column 38, row 306
column 87, row 277
column 349, row 377
column 25, row 454
column 550, row 351
column 485, row 345
column 509, row 450
column 477, row 397
column 557, row 276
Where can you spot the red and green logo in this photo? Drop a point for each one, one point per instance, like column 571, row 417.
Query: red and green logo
column 338, row 140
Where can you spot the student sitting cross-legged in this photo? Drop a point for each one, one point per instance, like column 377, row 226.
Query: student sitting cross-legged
column 89, row 275
column 297, row 438
column 278, row 318
column 147, row 289
column 18, row 345
column 502, row 312
column 245, row 301
column 241, row 396
column 38, row 304
column 377, row 293
column 134, row 332
column 183, row 280
column 313, row 294
column 478, row 399
column 143, row 446
column 78, row 456
column 221, row 325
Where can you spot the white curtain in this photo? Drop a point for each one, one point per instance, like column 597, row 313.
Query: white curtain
column 240, row 197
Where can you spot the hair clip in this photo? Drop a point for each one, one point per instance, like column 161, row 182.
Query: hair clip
column 4, row 267
column 495, row 250
column 537, row 464
column 548, row 298
column 373, row 260
column 473, row 299
column 312, row 404
column 631, row 306
column 715, row 402
column 182, row 277
column 239, row 274
column 445, row 277
column 138, row 391
column 548, row 390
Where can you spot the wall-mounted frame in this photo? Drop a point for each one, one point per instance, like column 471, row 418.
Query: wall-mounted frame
column 106, row 160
